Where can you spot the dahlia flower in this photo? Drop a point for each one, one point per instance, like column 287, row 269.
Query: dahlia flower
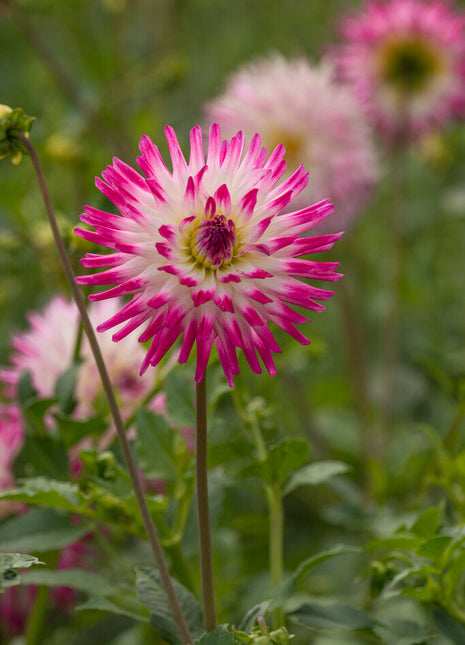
column 11, row 440
column 406, row 62
column 204, row 251
column 46, row 350
column 320, row 123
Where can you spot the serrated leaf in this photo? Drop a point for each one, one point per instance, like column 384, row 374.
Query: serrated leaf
column 332, row 616
column 219, row 636
column 45, row 492
column 449, row 626
column 314, row 474
column 73, row 430
column 434, row 548
column 11, row 561
column 152, row 594
column 65, row 386
column 155, row 445
column 122, row 603
column 39, row 530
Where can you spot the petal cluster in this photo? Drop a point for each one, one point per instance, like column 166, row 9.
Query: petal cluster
column 406, row 62
column 320, row 123
column 205, row 252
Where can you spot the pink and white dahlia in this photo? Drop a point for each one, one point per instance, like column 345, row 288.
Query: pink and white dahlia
column 320, row 123
column 406, row 62
column 47, row 347
column 205, row 251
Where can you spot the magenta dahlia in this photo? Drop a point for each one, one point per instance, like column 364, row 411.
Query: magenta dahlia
column 406, row 61
column 205, row 252
column 319, row 121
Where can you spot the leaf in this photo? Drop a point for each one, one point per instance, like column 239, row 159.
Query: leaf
column 42, row 456
column 434, row 548
column 152, row 594
column 448, row 626
column 65, row 386
column 122, row 603
column 34, row 412
column 73, row 430
column 26, row 390
column 307, row 565
column 332, row 616
column 220, row 636
column 283, row 458
column 429, row 521
column 155, row 446
column 251, row 616
column 45, row 492
column 86, row 581
column 11, row 561
column 180, row 400
column 401, row 632
column 39, row 530
column 314, row 474
column 396, row 542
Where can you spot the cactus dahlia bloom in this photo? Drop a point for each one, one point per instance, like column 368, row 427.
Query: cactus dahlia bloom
column 205, row 252
column 320, row 123
column 406, row 62
column 46, row 350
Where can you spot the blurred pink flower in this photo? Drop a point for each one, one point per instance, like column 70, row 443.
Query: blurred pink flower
column 319, row 122
column 11, row 440
column 205, row 250
column 46, row 350
column 406, row 62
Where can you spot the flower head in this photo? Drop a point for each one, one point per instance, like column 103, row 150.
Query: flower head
column 46, row 351
column 406, row 61
column 320, row 123
column 204, row 251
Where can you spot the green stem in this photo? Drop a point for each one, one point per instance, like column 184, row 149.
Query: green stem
column 276, row 524
column 151, row 531
column 201, row 473
column 38, row 615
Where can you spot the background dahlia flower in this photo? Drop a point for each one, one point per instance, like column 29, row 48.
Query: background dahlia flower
column 47, row 347
column 11, row 440
column 319, row 122
column 205, row 252
column 406, row 62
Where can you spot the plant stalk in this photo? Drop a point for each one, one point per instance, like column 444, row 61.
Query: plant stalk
column 152, row 534
column 201, row 476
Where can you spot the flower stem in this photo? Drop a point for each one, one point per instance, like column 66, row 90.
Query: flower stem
column 36, row 620
column 201, row 473
column 115, row 413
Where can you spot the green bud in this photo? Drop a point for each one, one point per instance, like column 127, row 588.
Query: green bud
column 13, row 123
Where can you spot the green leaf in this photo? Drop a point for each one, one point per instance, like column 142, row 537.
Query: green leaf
column 429, row 521
column 307, row 565
column 402, row 632
column 180, row 396
column 155, row 446
column 26, row 390
column 11, row 561
column 42, row 456
column 332, row 616
column 251, row 616
column 220, row 636
column 45, row 492
column 122, row 603
column 79, row 579
column 434, row 548
column 34, row 411
column 39, row 530
column 283, row 458
column 449, row 626
column 314, row 474
column 73, row 430
column 396, row 542
column 152, row 594
column 65, row 387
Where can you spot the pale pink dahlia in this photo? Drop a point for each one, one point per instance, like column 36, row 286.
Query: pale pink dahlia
column 320, row 123
column 47, row 347
column 205, row 252
column 406, row 61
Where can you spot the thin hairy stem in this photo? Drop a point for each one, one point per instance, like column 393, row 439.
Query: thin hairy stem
column 201, row 473
column 115, row 413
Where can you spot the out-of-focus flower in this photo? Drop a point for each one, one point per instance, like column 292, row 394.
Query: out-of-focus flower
column 46, row 350
column 319, row 122
column 406, row 62
column 206, row 252
column 11, row 440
